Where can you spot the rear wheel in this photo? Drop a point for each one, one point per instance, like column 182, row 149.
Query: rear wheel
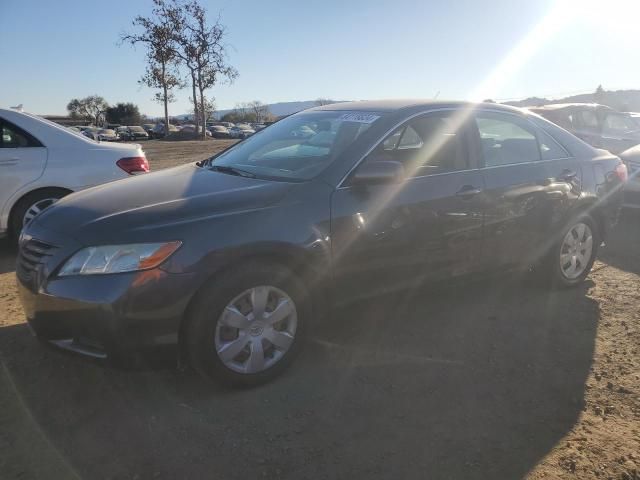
column 31, row 205
column 571, row 259
column 246, row 328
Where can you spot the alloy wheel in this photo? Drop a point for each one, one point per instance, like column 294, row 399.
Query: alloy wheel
column 36, row 208
column 576, row 251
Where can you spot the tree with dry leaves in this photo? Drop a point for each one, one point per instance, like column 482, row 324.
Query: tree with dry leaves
column 91, row 108
column 260, row 110
column 156, row 33
column 202, row 49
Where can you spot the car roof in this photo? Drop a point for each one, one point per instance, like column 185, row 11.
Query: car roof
column 403, row 104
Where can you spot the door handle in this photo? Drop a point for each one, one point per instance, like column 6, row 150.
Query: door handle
column 468, row 191
column 10, row 161
column 567, row 175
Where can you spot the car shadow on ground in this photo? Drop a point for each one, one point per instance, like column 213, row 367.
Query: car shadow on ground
column 7, row 257
column 622, row 248
column 469, row 381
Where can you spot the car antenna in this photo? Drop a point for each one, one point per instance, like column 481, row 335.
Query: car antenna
column 18, row 108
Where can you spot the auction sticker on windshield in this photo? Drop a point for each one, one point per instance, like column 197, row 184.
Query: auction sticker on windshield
column 359, row 117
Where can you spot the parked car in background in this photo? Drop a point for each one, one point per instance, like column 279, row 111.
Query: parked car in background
column 189, row 128
column 241, row 131
column 218, row 131
column 635, row 116
column 159, row 130
column 120, row 131
column 598, row 125
column 258, row 126
column 223, row 124
column 91, row 132
column 107, row 135
column 233, row 257
column 133, row 133
column 41, row 162
column 631, row 158
column 148, row 127
column 606, row 128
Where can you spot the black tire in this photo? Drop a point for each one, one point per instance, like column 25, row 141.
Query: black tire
column 214, row 297
column 551, row 268
column 25, row 203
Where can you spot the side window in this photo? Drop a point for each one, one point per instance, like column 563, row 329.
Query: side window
column 15, row 137
column 506, row 139
column 589, row 120
column 549, row 148
column 410, row 140
column 617, row 124
column 427, row 145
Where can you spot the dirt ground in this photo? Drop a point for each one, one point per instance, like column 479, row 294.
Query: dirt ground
column 495, row 379
column 163, row 154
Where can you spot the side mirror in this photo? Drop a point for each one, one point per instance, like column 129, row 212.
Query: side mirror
column 373, row 172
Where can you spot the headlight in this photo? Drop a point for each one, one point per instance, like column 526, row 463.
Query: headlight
column 118, row 258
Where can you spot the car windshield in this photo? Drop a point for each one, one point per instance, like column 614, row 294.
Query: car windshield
column 298, row 147
column 136, row 129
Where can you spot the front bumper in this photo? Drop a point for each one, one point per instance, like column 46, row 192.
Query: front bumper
column 104, row 316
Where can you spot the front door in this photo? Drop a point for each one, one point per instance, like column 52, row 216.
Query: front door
column 427, row 227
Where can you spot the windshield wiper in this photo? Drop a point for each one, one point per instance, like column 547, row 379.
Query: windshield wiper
column 232, row 171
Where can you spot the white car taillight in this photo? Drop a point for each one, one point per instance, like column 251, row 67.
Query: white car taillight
column 134, row 165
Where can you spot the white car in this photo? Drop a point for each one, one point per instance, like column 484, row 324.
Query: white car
column 41, row 162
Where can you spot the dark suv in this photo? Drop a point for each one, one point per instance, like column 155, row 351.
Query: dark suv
column 231, row 258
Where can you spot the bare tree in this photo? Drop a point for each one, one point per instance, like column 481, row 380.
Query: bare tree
column 260, row 110
column 90, row 108
column 162, row 61
column 201, row 47
column 208, row 107
column 241, row 110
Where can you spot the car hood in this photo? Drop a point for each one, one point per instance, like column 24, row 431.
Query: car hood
column 128, row 210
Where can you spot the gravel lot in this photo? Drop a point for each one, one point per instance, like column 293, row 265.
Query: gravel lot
column 496, row 379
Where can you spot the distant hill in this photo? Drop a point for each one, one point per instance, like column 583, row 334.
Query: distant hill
column 623, row 100
column 277, row 109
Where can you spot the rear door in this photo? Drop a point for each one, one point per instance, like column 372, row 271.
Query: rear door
column 530, row 183
column 22, row 159
column 428, row 227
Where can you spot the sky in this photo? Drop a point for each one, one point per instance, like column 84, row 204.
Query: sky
column 292, row 50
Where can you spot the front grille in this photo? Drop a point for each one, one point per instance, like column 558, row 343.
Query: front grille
column 32, row 254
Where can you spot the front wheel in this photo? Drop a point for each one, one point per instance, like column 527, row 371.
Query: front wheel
column 246, row 328
column 573, row 255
